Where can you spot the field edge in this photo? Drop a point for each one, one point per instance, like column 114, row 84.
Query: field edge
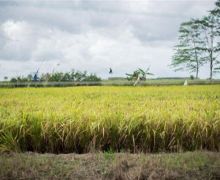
column 109, row 165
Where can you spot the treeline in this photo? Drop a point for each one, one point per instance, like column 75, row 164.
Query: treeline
column 72, row 76
column 199, row 44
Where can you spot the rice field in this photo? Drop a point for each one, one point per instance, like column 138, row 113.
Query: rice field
column 119, row 119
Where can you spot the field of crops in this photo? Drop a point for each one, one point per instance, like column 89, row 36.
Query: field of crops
column 133, row 119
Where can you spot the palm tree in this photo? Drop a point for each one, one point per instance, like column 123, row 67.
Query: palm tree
column 139, row 75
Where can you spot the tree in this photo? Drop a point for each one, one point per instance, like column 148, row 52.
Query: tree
column 139, row 75
column 210, row 33
column 29, row 77
column 73, row 76
column 13, row 80
column 216, row 13
column 6, row 78
column 188, row 54
column 92, row 78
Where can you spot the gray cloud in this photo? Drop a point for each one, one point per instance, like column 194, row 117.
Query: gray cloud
column 92, row 35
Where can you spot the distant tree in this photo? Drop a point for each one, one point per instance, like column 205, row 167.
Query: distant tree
column 66, row 77
column 19, row 79
column 188, row 54
column 13, row 80
column 80, row 76
column 6, row 78
column 139, row 75
column 29, row 77
column 210, row 26
column 192, row 77
column 92, row 78
column 56, row 77
column 73, row 76
column 45, row 77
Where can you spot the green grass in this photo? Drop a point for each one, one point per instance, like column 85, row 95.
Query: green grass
column 161, row 82
column 130, row 119
column 112, row 82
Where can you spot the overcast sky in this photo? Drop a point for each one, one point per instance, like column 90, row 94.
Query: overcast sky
column 93, row 35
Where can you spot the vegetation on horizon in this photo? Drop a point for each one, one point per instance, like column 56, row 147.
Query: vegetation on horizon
column 72, row 76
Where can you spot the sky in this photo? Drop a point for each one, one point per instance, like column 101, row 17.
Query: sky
column 93, row 35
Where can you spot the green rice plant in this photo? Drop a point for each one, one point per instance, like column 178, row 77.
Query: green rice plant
column 8, row 142
column 83, row 119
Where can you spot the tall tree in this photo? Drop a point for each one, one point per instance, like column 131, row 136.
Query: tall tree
column 188, row 51
column 210, row 34
column 210, row 26
column 216, row 13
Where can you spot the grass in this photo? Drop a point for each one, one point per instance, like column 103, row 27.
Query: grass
column 112, row 82
column 130, row 119
column 190, row 165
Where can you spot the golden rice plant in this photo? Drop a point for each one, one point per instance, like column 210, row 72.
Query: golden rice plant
column 133, row 119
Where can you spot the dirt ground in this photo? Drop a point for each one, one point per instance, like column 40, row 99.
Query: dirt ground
column 111, row 166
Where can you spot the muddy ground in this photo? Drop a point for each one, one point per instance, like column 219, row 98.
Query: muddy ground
column 111, row 166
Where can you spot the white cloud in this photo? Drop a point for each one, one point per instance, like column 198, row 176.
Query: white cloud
column 92, row 35
column 19, row 40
